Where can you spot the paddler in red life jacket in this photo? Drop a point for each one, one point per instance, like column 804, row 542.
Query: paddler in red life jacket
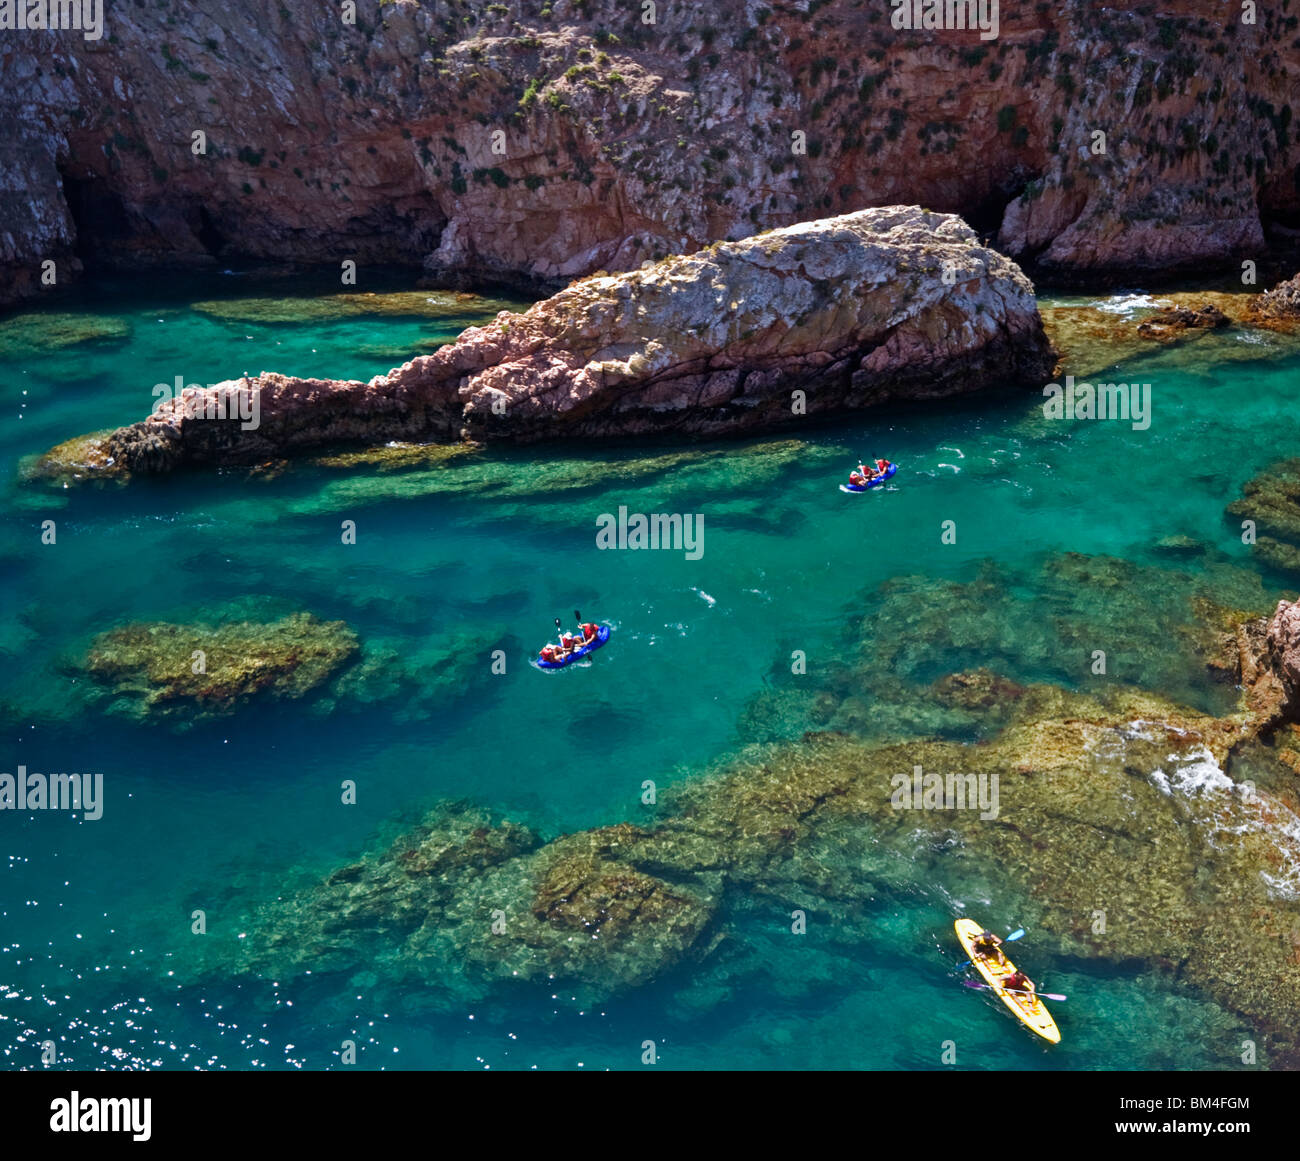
column 859, row 478
column 589, row 632
column 882, row 465
column 1017, row 981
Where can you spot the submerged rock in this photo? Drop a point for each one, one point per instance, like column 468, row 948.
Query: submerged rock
column 327, row 308
column 463, row 887
column 154, row 671
column 1272, row 501
column 85, row 457
column 1095, row 338
column 1121, row 801
column 895, row 303
column 38, row 332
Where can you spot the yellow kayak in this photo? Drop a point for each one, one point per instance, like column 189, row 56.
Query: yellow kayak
column 1029, row 1010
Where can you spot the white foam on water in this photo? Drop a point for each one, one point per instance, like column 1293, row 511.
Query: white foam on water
column 1197, row 777
column 710, row 601
column 1125, row 303
column 1196, row 773
column 1138, row 729
column 954, row 467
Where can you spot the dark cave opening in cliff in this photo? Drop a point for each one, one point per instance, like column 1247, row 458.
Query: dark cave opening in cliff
column 210, row 238
column 984, row 214
column 98, row 215
column 1279, row 218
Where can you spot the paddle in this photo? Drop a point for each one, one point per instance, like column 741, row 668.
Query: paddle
column 1017, row 934
column 1018, row 991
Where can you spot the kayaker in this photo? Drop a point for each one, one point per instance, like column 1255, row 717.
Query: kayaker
column 1017, row 981
column 547, row 652
column 989, row 946
column 883, row 465
column 589, row 632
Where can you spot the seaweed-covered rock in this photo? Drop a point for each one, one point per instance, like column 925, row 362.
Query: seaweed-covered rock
column 464, row 887
column 1272, row 501
column 85, row 457
column 187, row 673
column 1119, row 800
column 38, row 332
column 1169, row 321
column 427, row 304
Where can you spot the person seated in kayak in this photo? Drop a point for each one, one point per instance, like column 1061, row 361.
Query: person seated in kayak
column 862, row 476
column 589, row 632
column 989, row 946
column 883, row 466
column 553, row 652
column 1017, row 981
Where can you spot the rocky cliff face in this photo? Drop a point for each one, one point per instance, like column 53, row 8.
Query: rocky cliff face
column 545, row 139
column 841, row 313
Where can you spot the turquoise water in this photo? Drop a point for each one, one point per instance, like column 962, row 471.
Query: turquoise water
column 500, row 544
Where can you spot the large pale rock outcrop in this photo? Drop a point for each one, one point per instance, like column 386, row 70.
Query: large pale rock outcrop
column 846, row 312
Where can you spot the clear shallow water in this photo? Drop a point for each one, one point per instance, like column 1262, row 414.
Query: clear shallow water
column 502, row 543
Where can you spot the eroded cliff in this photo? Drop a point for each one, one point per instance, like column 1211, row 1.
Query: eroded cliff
column 545, row 139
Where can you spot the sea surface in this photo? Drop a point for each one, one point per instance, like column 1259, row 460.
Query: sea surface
column 501, row 543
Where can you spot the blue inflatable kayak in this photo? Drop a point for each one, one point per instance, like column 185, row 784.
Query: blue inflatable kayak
column 878, row 480
column 602, row 635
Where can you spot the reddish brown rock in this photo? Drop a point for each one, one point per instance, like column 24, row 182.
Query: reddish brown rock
column 625, row 141
column 1283, row 655
column 1278, row 308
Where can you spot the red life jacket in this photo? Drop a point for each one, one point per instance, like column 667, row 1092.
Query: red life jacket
column 882, row 464
column 548, row 653
column 589, row 631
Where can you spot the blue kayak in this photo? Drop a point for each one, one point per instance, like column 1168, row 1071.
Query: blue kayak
column 876, row 482
column 602, row 635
